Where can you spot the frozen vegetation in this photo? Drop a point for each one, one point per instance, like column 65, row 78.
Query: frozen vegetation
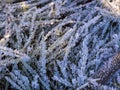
column 59, row 44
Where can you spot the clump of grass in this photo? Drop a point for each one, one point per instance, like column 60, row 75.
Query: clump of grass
column 59, row 44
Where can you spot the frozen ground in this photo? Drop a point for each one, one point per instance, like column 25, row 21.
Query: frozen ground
column 59, row 44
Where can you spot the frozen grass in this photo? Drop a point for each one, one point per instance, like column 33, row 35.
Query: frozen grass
column 59, row 45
